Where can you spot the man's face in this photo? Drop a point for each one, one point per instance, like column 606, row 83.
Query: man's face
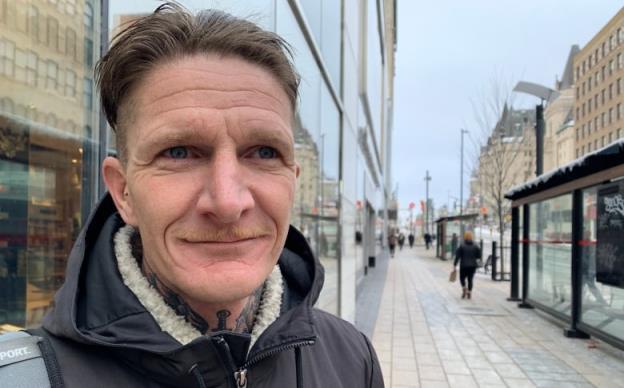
column 210, row 176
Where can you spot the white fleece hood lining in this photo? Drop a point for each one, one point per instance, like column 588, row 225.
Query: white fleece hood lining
column 175, row 325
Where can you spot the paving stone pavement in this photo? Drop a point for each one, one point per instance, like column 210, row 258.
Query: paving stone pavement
column 427, row 336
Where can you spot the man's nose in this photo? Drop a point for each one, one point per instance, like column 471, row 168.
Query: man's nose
column 226, row 194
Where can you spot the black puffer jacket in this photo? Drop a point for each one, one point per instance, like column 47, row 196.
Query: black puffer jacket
column 103, row 336
column 467, row 255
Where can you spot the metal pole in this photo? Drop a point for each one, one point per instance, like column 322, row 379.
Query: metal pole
column 461, row 184
column 539, row 139
column 515, row 229
column 576, row 270
column 525, row 257
column 427, row 201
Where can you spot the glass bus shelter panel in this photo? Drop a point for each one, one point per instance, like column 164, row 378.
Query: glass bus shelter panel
column 550, row 250
column 451, row 233
column 602, row 305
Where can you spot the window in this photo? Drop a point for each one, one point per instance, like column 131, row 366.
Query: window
column 620, row 33
column 70, row 84
column 610, row 115
column 619, row 133
column 70, row 43
column 88, row 17
column 596, row 101
column 87, row 93
column 578, row 130
column 611, row 66
column 589, row 83
column 595, row 123
column 7, row 57
column 70, row 7
column 589, row 147
column 618, row 111
column 620, row 61
column 589, row 126
column 612, row 42
column 603, row 72
column 610, row 91
column 603, row 119
column 610, row 137
column 20, row 65
column 88, row 52
column 31, row 68
column 578, row 94
column 618, row 86
column 51, row 75
column 53, row 37
column 596, row 144
column 33, row 21
column 602, row 141
column 602, row 96
column 577, row 113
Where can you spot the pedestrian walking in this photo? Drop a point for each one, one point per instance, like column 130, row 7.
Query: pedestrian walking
column 392, row 241
column 467, row 255
column 427, row 240
column 401, row 241
column 410, row 240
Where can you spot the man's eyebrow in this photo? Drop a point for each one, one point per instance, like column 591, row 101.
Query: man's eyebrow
column 172, row 138
column 275, row 138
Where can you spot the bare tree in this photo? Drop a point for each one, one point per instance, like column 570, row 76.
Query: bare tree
column 498, row 146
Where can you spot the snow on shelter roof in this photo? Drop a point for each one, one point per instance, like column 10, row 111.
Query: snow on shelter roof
column 599, row 160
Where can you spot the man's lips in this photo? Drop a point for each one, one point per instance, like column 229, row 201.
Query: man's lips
column 224, row 241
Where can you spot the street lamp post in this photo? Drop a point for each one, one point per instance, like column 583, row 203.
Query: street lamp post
column 461, row 184
column 427, row 179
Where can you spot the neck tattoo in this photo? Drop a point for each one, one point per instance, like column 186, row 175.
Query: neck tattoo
column 243, row 324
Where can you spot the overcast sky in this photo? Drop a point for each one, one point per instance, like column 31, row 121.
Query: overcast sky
column 449, row 51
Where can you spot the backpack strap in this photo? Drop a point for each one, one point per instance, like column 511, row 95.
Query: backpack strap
column 28, row 360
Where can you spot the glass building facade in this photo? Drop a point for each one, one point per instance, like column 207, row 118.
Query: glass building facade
column 48, row 145
column 53, row 137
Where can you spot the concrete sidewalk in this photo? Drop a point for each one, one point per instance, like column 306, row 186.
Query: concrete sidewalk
column 427, row 336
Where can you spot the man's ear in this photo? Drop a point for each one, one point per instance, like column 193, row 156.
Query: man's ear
column 114, row 175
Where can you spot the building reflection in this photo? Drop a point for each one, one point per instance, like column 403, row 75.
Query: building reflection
column 46, row 147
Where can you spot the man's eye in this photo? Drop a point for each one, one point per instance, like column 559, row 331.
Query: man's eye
column 177, row 152
column 267, row 152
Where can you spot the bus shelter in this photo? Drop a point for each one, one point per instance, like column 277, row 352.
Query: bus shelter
column 449, row 233
column 568, row 231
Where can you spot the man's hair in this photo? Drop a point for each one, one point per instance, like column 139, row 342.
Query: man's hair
column 171, row 32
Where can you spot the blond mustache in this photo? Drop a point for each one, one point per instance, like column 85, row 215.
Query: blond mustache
column 225, row 234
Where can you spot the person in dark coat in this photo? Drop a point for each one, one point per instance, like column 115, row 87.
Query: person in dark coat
column 401, row 241
column 427, row 240
column 410, row 240
column 392, row 242
column 187, row 273
column 467, row 256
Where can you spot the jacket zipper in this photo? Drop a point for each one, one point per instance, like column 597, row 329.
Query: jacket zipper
column 240, row 374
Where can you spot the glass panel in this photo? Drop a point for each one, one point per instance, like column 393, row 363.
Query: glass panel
column 373, row 68
column 47, row 156
column 328, row 239
column 316, row 130
column 452, row 239
column 550, row 250
column 601, row 303
column 331, row 39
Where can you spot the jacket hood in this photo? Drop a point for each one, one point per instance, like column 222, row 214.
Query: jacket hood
column 95, row 307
